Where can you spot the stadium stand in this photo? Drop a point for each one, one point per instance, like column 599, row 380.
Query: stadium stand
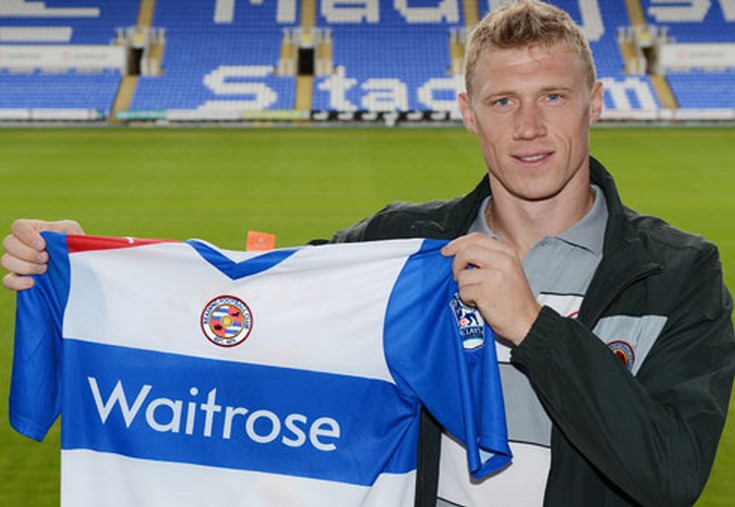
column 61, row 91
column 221, row 59
column 699, row 23
column 27, row 25
column 710, row 21
column 702, row 90
column 392, row 58
column 86, row 21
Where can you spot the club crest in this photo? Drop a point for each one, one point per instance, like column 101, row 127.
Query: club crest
column 470, row 324
column 226, row 321
column 624, row 351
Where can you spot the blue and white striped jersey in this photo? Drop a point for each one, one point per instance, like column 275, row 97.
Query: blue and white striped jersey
column 187, row 375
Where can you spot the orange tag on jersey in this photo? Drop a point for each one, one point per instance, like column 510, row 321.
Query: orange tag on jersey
column 260, row 241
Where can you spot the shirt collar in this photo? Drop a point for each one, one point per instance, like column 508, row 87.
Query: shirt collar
column 588, row 233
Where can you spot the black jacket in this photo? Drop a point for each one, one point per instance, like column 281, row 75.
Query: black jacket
column 617, row 439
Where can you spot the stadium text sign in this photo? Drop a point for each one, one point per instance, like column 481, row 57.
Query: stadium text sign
column 688, row 11
column 245, row 88
column 349, row 11
column 411, row 11
column 63, row 57
column 242, row 87
column 703, row 56
column 389, row 94
column 588, row 12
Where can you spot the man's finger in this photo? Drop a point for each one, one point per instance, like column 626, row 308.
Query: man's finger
column 14, row 282
column 20, row 266
column 65, row 226
column 16, row 248
column 28, row 232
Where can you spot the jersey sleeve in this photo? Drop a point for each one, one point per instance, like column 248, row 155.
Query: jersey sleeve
column 443, row 352
column 35, row 389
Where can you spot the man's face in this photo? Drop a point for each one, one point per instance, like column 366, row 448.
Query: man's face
column 532, row 109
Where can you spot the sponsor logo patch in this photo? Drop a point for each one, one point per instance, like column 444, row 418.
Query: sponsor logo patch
column 624, row 351
column 226, row 321
column 469, row 322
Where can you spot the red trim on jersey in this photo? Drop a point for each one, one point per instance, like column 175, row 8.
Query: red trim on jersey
column 82, row 243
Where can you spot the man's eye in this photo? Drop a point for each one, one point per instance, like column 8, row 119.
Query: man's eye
column 553, row 97
column 504, row 101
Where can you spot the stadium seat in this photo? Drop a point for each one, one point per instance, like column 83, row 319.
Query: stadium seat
column 386, row 56
column 218, row 62
column 93, row 23
column 697, row 22
column 703, row 90
column 62, row 22
column 39, row 90
column 397, row 60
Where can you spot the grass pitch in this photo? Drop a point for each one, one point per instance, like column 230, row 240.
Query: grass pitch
column 302, row 184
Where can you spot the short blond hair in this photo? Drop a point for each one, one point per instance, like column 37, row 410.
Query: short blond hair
column 526, row 23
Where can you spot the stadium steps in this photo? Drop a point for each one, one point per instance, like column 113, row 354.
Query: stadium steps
column 305, row 84
column 128, row 84
column 663, row 90
column 145, row 14
column 155, row 56
column 456, row 54
column 471, row 12
column 635, row 12
column 325, row 58
column 630, row 56
column 308, row 13
column 633, row 59
column 124, row 97
column 155, row 50
column 304, row 91
column 287, row 60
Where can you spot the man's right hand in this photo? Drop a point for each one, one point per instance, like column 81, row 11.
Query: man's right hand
column 25, row 250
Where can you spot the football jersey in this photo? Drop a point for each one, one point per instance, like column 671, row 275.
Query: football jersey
column 187, row 375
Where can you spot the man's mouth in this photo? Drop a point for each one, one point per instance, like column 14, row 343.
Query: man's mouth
column 533, row 158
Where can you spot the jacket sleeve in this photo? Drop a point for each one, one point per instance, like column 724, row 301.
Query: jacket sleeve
column 391, row 222
column 654, row 436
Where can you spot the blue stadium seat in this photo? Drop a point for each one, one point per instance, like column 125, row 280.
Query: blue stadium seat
column 58, row 91
column 703, row 90
column 64, row 22
column 222, row 64
column 694, row 22
column 91, row 21
column 388, row 58
column 704, row 22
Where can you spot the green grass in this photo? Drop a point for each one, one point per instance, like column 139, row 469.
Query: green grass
column 302, row 184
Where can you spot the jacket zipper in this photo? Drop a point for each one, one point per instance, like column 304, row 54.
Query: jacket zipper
column 644, row 272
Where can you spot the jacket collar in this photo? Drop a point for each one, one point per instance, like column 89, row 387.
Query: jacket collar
column 617, row 224
column 467, row 208
column 624, row 256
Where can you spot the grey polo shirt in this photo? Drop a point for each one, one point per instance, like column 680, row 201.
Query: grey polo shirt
column 559, row 270
column 564, row 263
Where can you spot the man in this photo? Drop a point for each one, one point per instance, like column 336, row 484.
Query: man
column 617, row 347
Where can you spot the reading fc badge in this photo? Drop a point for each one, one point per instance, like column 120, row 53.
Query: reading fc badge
column 624, row 351
column 226, row 321
column 470, row 323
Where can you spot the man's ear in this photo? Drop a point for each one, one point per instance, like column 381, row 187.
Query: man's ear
column 596, row 102
column 468, row 116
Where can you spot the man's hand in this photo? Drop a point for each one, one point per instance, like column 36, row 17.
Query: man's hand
column 491, row 278
column 25, row 250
